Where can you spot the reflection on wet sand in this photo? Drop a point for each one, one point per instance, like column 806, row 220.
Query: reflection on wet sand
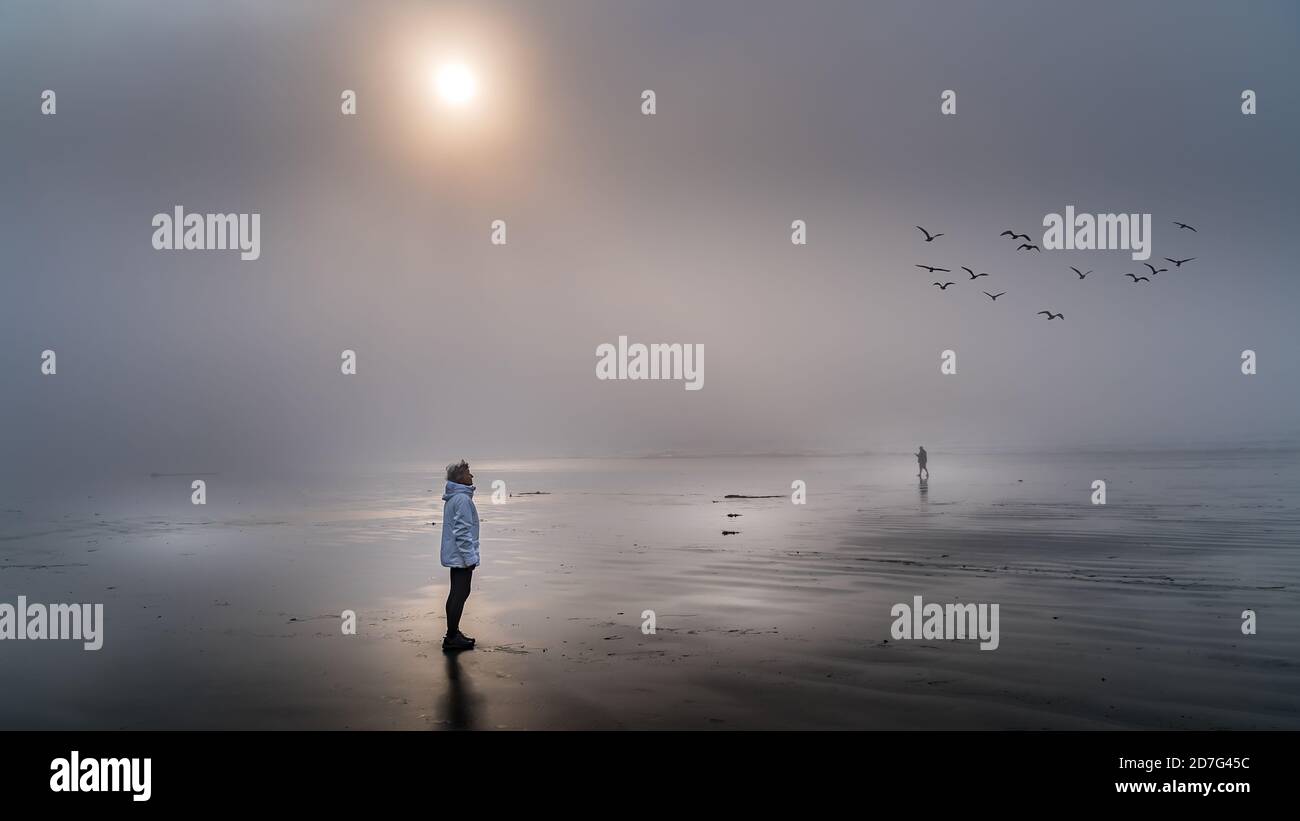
column 460, row 699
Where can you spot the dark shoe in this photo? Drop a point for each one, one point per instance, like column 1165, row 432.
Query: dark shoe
column 469, row 639
column 457, row 642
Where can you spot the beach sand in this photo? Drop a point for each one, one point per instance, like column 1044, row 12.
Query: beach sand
column 1126, row 615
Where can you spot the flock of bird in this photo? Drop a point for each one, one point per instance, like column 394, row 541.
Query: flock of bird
column 1029, row 246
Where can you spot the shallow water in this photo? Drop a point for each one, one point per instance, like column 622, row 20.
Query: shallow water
column 1126, row 615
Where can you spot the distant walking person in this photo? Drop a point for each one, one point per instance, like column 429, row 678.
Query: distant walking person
column 459, row 548
column 920, row 463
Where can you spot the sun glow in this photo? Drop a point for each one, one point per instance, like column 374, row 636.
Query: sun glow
column 455, row 84
column 463, row 78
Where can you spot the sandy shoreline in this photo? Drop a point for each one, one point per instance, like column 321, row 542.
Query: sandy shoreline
column 1123, row 618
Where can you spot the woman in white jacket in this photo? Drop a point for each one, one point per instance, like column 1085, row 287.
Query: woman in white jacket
column 459, row 548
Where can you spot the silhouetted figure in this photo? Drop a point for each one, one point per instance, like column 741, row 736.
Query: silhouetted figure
column 459, row 548
column 920, row 463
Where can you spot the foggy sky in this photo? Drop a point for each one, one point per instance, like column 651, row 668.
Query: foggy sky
column 670, row 228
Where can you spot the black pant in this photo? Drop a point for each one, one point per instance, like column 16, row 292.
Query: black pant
column 460, row 579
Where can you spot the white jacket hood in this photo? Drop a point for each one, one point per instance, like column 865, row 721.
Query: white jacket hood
column 459, row 526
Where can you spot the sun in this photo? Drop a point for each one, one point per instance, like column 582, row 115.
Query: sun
column 455, row 83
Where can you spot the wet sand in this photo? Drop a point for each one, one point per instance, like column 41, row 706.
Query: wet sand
column 1122, row 616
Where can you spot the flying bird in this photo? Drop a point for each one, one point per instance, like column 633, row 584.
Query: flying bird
column 1178, row 263
column 1137, row 279
column 1026, row 246
column 932, row 269
column 944, row 286
column 1081, row 274
column 973, row 275
column 1051, row 316
column 1014, row 235
column 1185, row 225
column 1154, row 271
column 993, row 297
column 928, row 238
